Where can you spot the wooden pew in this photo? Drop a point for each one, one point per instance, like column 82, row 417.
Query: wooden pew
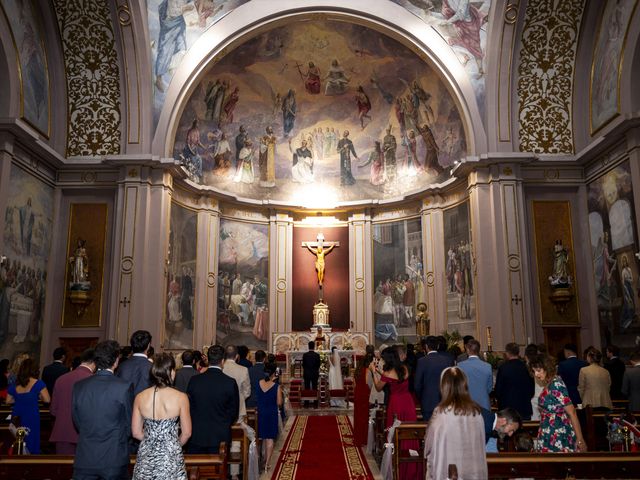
column 561, row 465
column 242, row 457
column 60, row 467
column 408, row 431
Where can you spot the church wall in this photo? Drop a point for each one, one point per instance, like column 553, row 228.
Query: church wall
column 8, row 76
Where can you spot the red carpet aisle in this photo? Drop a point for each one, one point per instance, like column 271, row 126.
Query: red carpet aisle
column 321, row 447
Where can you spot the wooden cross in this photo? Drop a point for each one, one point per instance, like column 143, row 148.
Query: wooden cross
column 320, row 248
column 125, row 301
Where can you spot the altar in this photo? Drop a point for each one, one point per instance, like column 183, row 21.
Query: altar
column 350, row 355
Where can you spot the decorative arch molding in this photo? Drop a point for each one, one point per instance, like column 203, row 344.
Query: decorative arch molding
column 251, row 18
column 630, row 68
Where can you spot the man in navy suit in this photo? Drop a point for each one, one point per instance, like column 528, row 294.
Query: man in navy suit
column 186, row 372
column 52, row 372
column 479, row 375
column 427, row 381
column 101, row 411
column 311, row 367
column 503, row 423
column 215, row 404
column 256, row 373
column 514, row 384
column 569, row 371
column 136, row 369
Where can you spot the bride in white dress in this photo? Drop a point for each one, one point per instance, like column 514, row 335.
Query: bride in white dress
column 335, row 376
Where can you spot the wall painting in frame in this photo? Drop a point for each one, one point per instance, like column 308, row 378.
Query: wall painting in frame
column 459, row 287
column 32, row 63
column 398, row 277
column 243, row 285
column 181, row 275
column 614, row 245
column 23, row 275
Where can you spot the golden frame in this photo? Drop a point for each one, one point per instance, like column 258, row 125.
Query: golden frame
column 95, row 230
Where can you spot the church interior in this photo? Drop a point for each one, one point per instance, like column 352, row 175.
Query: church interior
column 274, row 173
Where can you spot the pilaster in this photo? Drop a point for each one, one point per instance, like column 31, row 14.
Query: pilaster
column 498, row 226
column 142, row 225
column 280, row 273
column 207, row 274
column 434, row 265
column 360, row 273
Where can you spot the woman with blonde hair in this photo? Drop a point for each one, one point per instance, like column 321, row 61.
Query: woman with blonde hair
column 559, row 429
column 456, row 434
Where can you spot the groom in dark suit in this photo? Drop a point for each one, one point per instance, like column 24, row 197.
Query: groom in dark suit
column 101, row 411
column 311, row 368
column 215, row 402
column 136, row 369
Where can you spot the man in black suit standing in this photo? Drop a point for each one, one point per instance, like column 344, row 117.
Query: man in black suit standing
column 616, row 368
column 514, row 385
column 51, row 372
column 311, row 368
column 101, row 412
column 569, row 371
column 215, row 403
column 186, row 372
column 256, row 373
column 427, row 381
column 136, row 369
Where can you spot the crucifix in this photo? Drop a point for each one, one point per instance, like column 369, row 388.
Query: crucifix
column 125, row 301
column 320, row 248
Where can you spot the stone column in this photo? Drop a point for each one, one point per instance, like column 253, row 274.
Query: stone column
column 433, row 260
column 280, row 271
column 140, row 251
column 498, row 226
column 360, row 274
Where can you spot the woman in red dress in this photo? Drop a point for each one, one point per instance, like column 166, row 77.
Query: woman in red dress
column 361, row 402
column 401, row 404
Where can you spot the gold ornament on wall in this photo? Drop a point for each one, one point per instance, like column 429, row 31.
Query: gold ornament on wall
column 93, row 77
column 546, row 70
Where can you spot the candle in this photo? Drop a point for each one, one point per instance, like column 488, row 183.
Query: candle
column 528, row 340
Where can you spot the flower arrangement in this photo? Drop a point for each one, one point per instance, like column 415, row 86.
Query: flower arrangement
column 324, row 363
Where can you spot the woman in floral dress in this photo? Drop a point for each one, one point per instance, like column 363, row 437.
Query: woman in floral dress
column 559, row 426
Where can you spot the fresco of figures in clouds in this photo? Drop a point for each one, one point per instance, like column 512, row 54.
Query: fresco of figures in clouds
column 179, row 312
column 243, row 292
column 23, row 275
column 33, row 63
column 174, row 26
column 268, row 121
column 464, row 25
column 614, row 245
column 614, row 23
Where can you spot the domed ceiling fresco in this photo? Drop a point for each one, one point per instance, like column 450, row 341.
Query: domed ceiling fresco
column 320, row 110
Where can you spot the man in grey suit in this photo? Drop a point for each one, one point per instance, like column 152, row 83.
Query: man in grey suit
column 186, row 372
column 101, row 411
column 136, row 369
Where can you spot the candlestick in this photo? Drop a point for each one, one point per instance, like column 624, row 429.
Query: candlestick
column 489, row 342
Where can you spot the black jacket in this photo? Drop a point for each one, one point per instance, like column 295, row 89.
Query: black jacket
column 515, row 387
column 311, row 365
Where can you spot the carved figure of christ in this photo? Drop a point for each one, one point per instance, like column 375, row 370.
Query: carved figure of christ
column 320, row 248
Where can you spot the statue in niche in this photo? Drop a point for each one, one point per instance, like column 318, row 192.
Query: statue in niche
column 80, row 267
column 560, row 277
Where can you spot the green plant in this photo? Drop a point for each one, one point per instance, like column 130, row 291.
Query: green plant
column 493, row 359
column 453, row 338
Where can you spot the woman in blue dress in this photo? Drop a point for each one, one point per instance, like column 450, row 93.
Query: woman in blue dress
column 24, row 395
column 269, row 396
